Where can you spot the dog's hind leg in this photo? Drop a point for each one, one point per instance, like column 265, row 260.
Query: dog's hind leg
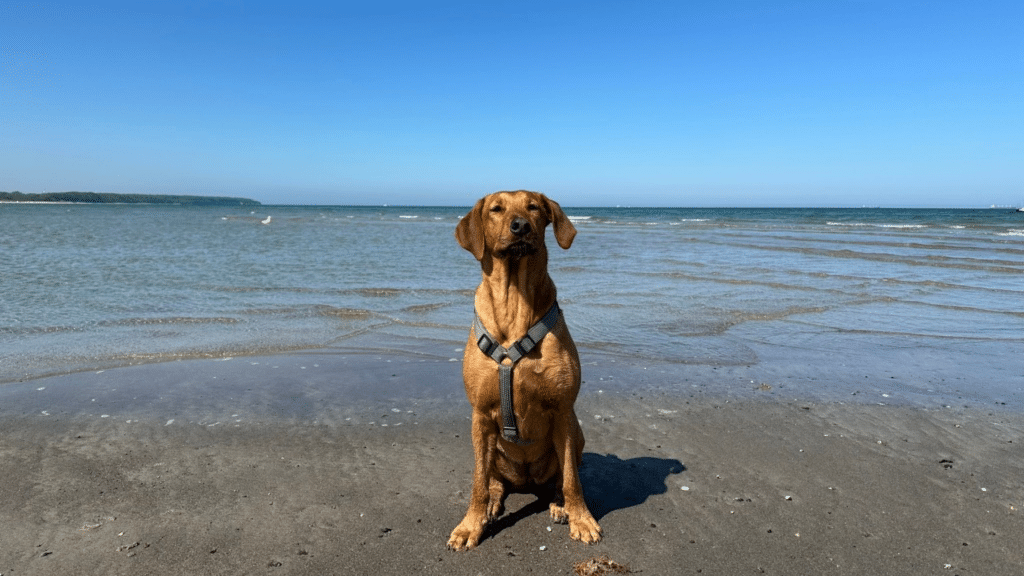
column 557, row 506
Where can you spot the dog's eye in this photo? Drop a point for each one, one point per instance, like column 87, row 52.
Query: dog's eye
column 496, row 208
column 533, row 207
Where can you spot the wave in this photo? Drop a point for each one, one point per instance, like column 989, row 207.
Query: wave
column 944, row 244
column 878, row 225
column 119, row 323
column 345, row 313
column 420, row 308
column 853, row 293
column 987, row 265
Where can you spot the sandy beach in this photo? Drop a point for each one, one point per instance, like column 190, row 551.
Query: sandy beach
column 681, row 484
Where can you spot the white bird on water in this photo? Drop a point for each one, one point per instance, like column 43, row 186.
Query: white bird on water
column 265, row 221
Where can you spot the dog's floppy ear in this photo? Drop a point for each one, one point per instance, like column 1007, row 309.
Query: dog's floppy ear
column 564, row 230
column 470, row 230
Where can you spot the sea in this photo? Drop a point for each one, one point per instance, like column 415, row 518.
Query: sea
column 916, row 306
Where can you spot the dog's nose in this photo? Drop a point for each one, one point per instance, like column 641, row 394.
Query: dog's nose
column 519, row 226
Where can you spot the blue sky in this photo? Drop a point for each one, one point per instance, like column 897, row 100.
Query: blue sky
column 657, row 103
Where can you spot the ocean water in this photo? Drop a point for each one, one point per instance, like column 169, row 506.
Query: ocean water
column 887, row 305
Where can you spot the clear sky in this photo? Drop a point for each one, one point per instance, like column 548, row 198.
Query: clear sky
column 626, row 102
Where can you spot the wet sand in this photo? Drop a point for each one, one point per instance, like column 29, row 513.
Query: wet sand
column 310, row 464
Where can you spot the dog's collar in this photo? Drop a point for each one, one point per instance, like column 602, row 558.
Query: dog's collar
column 490, row 346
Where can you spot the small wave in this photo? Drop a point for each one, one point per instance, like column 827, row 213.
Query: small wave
column 421, row 308
column 408, row 216
column 33, row 330
column 948, row 262
column 168, row 320
column 118, row 323
column 873, row 225
column 246, row 219
column 1011, row 232
column 578, row 218
column 378, row 292
column 346, row 313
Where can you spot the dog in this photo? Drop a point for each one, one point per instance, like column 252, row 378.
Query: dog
column 536, row 440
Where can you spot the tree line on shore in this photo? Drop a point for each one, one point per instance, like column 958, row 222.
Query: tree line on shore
column 108, row 198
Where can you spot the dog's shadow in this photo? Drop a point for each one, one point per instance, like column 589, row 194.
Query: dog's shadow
column 609, row 484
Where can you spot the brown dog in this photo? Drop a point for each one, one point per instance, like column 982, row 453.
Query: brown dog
column 505, row 232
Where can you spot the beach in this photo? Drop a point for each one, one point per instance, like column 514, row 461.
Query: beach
column 216, row 467
column 210, row 390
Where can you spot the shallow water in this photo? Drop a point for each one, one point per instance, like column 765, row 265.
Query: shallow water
column 876, row 304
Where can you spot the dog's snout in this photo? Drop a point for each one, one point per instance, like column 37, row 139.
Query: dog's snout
column 519, row 226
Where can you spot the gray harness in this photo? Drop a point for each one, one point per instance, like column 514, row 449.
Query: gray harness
column 490, row 346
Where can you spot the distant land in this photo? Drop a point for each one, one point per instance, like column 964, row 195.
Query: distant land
column 105, row 198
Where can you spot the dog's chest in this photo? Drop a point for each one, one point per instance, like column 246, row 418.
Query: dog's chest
column 547, row 379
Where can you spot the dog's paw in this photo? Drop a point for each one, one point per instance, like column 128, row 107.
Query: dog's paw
column 558, row 513
column 585, row 529
column 460, row 540
column 465, row 536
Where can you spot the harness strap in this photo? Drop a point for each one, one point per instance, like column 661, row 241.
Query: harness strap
column 490, row 346
column 508, row 414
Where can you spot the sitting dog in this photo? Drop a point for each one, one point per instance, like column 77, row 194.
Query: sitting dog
column 520, row 367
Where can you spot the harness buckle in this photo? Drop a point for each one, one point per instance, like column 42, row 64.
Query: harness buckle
column 486, row 344
column 517, row 350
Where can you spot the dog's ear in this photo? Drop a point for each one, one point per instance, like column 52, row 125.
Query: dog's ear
column 470, row 230
column 564, row 230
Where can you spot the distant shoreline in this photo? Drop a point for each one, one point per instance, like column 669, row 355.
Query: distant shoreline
column 109, row 198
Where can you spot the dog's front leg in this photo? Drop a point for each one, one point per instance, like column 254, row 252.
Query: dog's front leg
column 467, row 534
column 568, row 440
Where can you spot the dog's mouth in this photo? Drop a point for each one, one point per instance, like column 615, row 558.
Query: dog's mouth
column 517, row 250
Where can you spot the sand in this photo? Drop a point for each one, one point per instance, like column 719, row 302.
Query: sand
column 680, row 484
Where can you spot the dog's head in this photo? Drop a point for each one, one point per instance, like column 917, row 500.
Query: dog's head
column 510, row 225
